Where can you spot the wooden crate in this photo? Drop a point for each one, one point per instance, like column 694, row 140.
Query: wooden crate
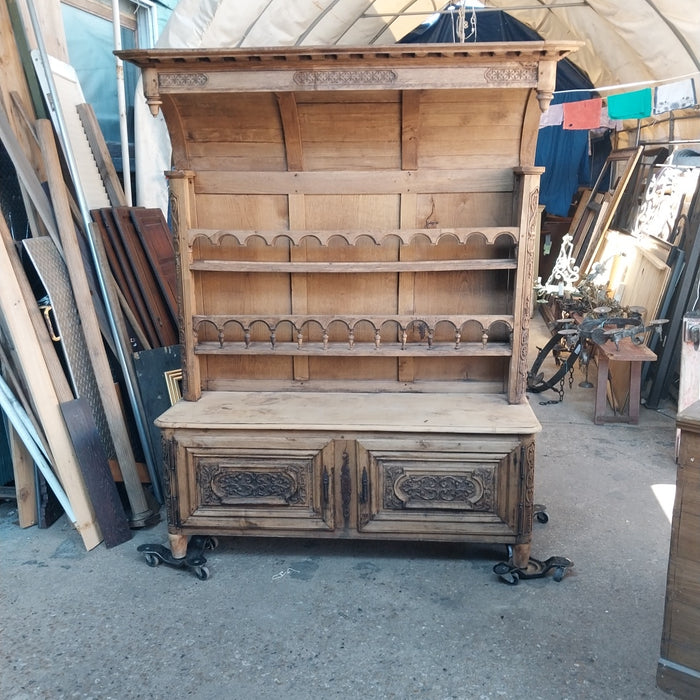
column 356, row 233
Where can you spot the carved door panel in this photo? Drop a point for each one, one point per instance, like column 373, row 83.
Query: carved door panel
column 251, row 486
column 468, row 487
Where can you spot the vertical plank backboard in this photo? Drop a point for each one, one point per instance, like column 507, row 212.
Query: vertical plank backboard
column 356, row 293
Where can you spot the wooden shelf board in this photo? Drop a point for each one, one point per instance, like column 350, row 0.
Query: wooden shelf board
column 471, row 386
column 352, row 267
column 441, row 349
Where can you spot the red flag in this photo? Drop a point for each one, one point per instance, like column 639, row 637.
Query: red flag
column 584, row 114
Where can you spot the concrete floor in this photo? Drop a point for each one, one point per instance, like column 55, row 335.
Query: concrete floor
column 302, row 619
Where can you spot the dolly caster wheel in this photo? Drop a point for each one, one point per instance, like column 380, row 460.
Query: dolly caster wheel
column 194, row 560
column 201, row 572
column 540, row 513
column 508, row 574
column 151, row 559
column 511, row 574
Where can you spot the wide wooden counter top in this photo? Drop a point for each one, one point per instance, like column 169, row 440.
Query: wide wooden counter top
column 353, row 412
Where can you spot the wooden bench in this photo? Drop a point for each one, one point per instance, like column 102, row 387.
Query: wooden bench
column 635, row 356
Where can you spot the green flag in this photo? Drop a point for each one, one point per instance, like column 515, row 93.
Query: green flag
column 630, row 105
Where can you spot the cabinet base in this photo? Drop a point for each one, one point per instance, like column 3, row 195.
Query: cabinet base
column 520, row 565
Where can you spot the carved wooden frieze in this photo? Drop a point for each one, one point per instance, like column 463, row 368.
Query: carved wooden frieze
column 237, row 483
column 182, row 80
column 505, row 75
column 340, row 78
column 506, row 236
column 461, row 489
column 509, row 64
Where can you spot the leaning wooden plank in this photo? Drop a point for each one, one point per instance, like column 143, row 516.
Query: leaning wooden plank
column 141, row 512
column 50, row 21
column 70, row 95
column 107, row 225
column 96, row 473
column 135, row 331
column 27, row 176
column 103, row 159
column 157, row 242
column 94, row 284
column 13, row 75
column 53, row 274
column 115, row 265
column 12, row 380
column 163, row 321
column 40, row 385
column 122, row 334
column 48, row 349
column 25, row 481
column 36, row 503
column 25, row 125
column 48, row 507
column 25, row 432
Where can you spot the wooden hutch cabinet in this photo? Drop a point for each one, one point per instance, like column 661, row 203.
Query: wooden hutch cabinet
column 356, row 237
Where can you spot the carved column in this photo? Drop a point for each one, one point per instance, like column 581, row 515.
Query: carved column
column 181, row 186
column 526, row 212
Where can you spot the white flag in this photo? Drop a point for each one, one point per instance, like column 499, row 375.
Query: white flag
column 674, row 96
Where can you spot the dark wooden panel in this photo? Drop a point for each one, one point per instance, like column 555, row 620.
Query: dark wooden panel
column 94, row 466
column 157, row 242
column 152, row 368
column 123, row 272
column 157, row 308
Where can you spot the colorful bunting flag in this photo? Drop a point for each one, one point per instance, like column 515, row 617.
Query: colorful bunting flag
column 590, row 114
column 584, row 114
column 607, row 123
column 674, row 96
column 630, row 105
column 553, row 116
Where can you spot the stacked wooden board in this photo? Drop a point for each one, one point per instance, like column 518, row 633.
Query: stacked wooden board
column 71, row 433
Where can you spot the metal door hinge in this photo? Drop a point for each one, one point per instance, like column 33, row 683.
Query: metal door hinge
column 364, row 486
column 325, row 485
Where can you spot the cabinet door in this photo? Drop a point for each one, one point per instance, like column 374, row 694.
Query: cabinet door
column 243, row 485
column 466, row 488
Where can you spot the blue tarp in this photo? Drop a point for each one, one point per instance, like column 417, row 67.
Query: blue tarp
column 563, row 153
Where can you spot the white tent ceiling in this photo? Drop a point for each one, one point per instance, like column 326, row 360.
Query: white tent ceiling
column 627, row 41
